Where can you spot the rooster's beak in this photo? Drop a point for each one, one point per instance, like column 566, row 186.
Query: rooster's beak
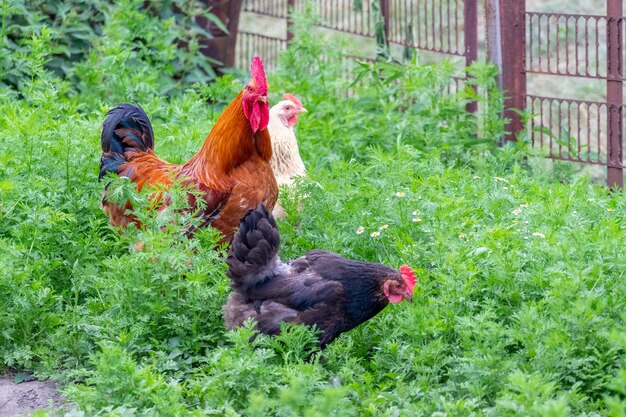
column 302, row 110
column 263, row 99
column 408, row 297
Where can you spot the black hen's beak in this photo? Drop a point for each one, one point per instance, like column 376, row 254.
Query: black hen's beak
column 408, row 297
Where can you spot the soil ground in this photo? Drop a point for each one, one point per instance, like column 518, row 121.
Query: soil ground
column 26, row 397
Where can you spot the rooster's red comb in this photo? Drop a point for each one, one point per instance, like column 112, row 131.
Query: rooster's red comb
column 409, row 277
column 258, row 74
column 293, row 99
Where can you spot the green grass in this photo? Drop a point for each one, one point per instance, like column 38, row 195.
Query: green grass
column 519, row 309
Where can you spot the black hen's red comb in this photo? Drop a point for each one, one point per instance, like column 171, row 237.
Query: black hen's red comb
column 409, row 277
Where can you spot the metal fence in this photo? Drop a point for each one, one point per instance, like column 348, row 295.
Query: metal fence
column 439, row 26
column 574, row 46
column 525, row 43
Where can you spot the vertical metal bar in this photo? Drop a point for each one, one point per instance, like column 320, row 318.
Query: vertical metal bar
column 425, row 24
column 470, row 27
column 419, row 24
column 586, row 46
column 560, row 130
column 614, row 94
column 548, row 45
column 539, row 47
column 567, row 45
column 529, row 64
column 568, row 132
column 598, row 47
column 588, row 132
column 576, row 61
column 541, row 122
column 532, row 123
column 558, row 32
column 369, row 19
column 291, row 6
column 440, row 26
column 513, row 30
column 449, row 26
column 432, row 26
column 551, row 136
column 456, row 24
column 414, row 26
column 599, row 126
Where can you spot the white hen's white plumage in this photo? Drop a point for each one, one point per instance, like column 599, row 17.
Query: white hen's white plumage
column 286, row 161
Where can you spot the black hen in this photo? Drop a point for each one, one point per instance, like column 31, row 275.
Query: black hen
column 320, row 288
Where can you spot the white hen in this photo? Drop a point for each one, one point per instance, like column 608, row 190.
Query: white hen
column 286, row 161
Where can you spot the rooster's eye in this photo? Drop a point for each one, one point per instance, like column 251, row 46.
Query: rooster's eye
column 250, row 89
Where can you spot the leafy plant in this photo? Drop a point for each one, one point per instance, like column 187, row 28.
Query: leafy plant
column 519, row 303
column 102, row 45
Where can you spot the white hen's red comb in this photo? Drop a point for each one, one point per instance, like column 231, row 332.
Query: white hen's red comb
column 293, row 99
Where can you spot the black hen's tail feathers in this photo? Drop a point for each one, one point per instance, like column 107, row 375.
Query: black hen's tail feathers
column 126, row 127
column 253, row 254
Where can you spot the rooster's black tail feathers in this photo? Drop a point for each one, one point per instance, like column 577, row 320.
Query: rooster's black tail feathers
column 253, row 253
column 126, row 127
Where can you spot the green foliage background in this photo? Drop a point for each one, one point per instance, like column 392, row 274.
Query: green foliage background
column 519, row 309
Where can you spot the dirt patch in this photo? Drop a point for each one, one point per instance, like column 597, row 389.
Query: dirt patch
column 26, row 397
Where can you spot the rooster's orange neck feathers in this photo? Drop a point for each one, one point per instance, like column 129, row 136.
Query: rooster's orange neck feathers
column 230, row 143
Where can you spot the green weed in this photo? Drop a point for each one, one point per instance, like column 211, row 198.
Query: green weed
column 519, row 308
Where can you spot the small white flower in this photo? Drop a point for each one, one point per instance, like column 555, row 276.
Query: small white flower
column 383, row 227
column 417, row 219
column 505, row 188
column 610, row 210
column 461, row 235
column 516, row 212
column 574, row 213
column 525, row 205
column 500, row 179
column 539, row 234
column 525, row 221
column 400, row 194
column 525, row 237
column 415, row 212
column 375, row 234
column 360, row 230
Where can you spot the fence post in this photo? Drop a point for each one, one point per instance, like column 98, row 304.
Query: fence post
column 513, row 47
column 291, row 5
column 384, row 11
column 470, row 29
column 380, row 13
column 614, row 94
column 222, row 45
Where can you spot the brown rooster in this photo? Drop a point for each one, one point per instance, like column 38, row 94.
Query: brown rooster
column 320, row 288
column 231, row 169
